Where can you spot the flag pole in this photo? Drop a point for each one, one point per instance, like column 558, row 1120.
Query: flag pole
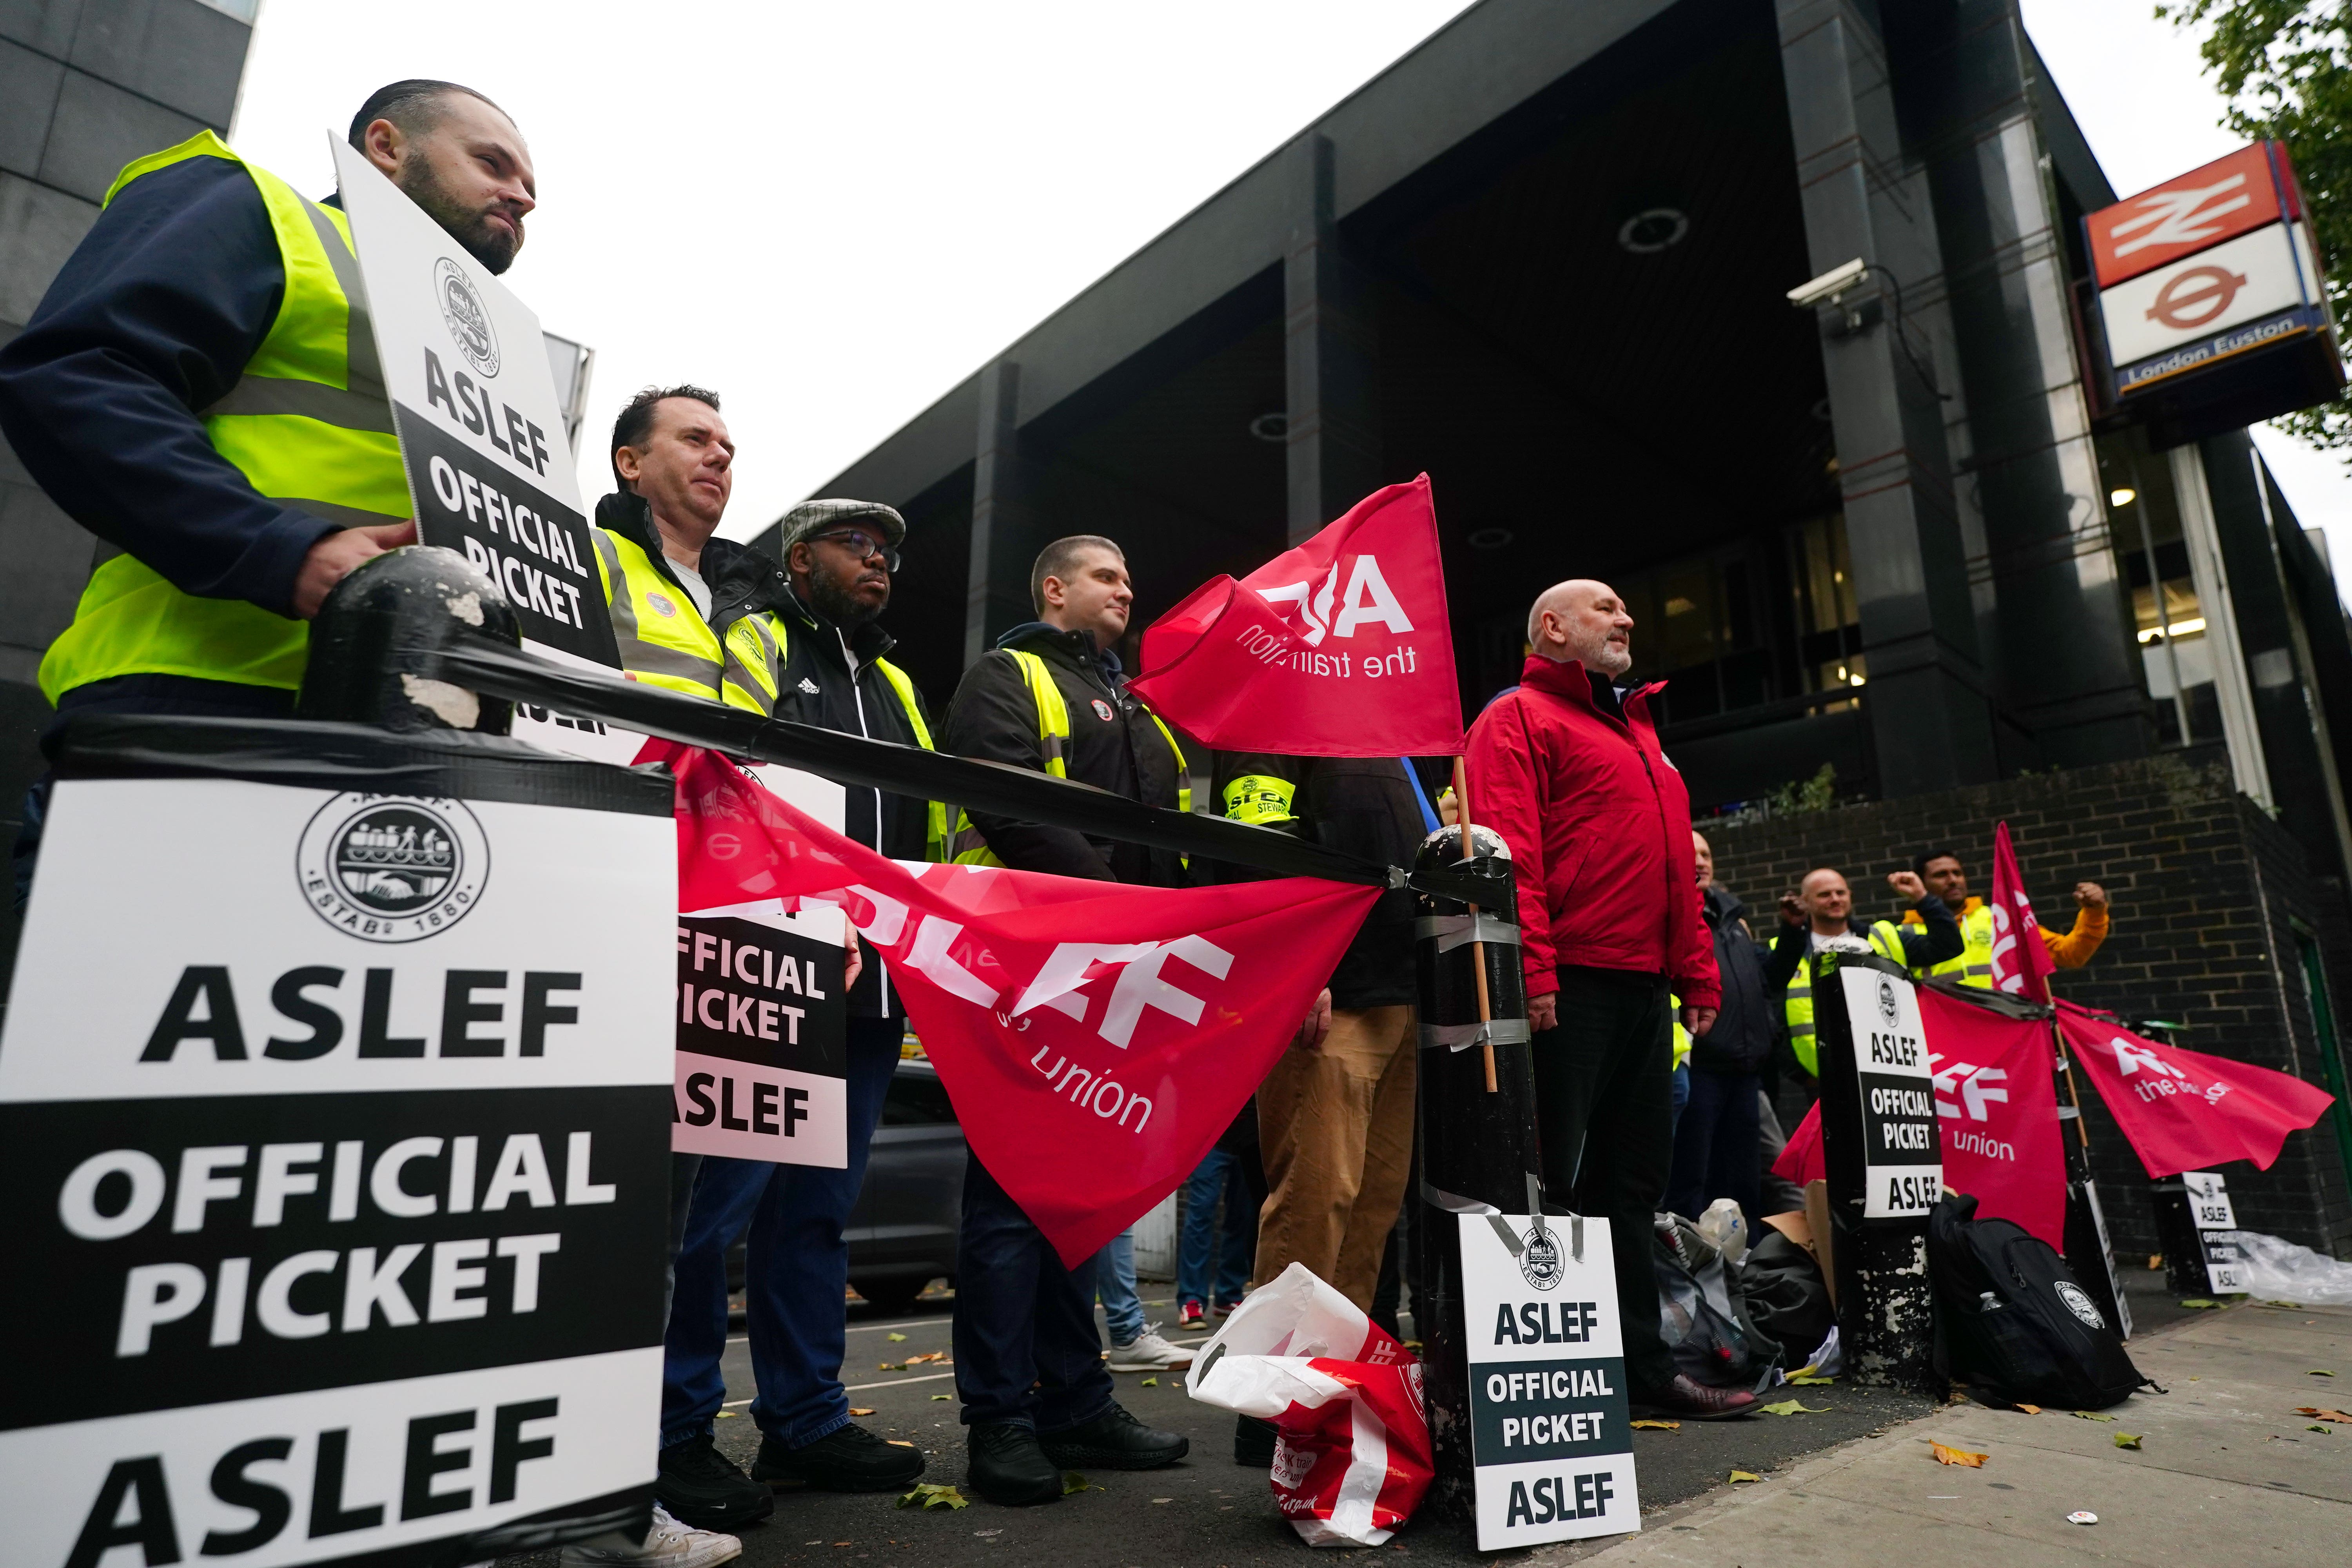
column 1477, row 948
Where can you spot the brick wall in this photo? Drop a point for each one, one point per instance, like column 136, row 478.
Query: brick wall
column 2206, row 889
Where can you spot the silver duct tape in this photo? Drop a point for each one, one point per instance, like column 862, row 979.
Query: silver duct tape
column 1460, row 931
column 1462, row 1036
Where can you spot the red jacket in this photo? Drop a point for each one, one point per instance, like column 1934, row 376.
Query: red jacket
column 1599, row 825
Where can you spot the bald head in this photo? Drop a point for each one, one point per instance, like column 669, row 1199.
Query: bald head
column 1582, row 622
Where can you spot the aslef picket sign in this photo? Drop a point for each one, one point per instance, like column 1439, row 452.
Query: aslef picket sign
column 763, row 1015
column 2217, row 1224
column 481, row 437
column 333, row 1150
column 1902, row 1147
column 1549, row 1428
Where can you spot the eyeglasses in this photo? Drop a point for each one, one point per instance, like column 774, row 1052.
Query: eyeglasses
column 863, row 546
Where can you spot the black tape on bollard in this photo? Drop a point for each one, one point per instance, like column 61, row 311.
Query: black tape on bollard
column 382, row 624
column 1479, row 1151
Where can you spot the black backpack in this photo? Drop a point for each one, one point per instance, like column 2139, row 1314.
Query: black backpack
column 1785, row 1298
column 2014, row 1321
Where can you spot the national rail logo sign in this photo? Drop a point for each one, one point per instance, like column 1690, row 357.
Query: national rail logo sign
column 466, row 316
column 391, row 868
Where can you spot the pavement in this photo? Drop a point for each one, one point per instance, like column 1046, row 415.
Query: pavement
column 1864, row 1461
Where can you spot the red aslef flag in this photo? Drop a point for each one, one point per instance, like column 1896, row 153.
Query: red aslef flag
column 2021, row 963
column 1341, row 648
column 2185, row 1111
column 1096, row 1038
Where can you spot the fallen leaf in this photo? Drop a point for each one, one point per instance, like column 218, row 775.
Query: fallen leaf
column 1803, row 1380
column 1739, row 1476
column 938, row 1396
column 2127, row 1440
column 889, row 1366
column 729, row 1414
column 2319, row 1371
column 2199, row 1303
column 1164, row 1500
column 897, row 1338
column 2156, row 1260
column 928, row 1496
column 1791, row 1407
column 2321, row 1430
column 1945, row 1456
column 1072, row 1481
column 861, row 1410
column 2029, row 1409
column 2323, row 1414
column 2092, row 1416
column 897, row 1442
column 1657, row 1426
column 1148, row 1383
column 935, row 1355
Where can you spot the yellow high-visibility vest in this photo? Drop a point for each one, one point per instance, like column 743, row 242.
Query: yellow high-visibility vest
column 665, row 641
column 307, row 423
column 1885, row 940
column 1974, row 966
column 1053, row 738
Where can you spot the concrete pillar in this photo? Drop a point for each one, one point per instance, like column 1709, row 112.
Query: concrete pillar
column 1332, row 409
column 1968, row 80
column 1930, row 717
column 1007, row 531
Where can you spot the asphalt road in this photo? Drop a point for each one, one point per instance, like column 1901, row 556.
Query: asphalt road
column 1204, row 1511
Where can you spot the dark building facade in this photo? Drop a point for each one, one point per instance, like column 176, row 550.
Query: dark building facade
column 1545, row 258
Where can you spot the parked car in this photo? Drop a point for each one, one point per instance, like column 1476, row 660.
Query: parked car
column 902, row 1234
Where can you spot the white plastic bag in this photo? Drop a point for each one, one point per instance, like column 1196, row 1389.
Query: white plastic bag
column 1724, row 1228
column 2278, row 1271
column 1352, row 1458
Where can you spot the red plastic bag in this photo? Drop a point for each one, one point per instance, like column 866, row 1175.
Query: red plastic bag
column 1353, row 1458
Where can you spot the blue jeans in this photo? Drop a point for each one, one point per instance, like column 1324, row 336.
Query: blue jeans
column 1682, row 1090
column 1026, row 1347
column 796, row 1270
column 1202, row 1248
column 1114, row 1283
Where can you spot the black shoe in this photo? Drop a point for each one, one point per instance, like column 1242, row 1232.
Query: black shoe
column 1687, row 1401
column 1115, row 1441
column 701, row 1489
column 1009, row 1469
column 846, row 1459
column 1253, row 1442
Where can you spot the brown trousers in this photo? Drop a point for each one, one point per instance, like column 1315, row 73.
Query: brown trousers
column 1336, row 1124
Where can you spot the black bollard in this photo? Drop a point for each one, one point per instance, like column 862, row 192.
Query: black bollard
column 380, row 628
column 1887, row 1318
column 1479, row 1151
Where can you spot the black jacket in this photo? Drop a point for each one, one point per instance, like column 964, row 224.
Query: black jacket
column 1934, row 939
column 1750, row 1015
column 1113, row 745
column 1366, row 807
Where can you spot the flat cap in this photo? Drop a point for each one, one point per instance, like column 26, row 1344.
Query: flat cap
column 813, row 517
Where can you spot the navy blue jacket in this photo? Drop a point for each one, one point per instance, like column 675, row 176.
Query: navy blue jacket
column 151, row 319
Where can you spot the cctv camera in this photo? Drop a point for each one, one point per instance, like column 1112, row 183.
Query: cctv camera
column 1829, row 285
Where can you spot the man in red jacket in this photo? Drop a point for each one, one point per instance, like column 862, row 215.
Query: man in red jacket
column 1568, row 769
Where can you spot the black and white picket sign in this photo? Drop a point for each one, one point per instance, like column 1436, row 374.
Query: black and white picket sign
column 1549, row 1419
column 762, row 1017
column 481, row 437
column 1902, row 1147
column 2217, row 1221
column 333, row 1160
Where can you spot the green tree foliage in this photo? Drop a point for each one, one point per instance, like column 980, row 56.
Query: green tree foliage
column 2284, row 66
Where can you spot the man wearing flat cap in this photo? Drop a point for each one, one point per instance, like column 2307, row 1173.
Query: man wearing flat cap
column 837, row 557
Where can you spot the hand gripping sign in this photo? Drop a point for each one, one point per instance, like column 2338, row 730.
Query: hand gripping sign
column 333, row 1172
column 481, row 437
column 1549, row 1417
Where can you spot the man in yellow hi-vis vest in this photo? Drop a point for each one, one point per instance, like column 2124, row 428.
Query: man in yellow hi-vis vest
column 199, row 389
column 1948, row 881
column 1820, row 915
column 1052, row 696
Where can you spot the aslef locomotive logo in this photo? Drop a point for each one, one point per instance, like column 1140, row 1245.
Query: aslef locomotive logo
column 392, row 868
column 1539, row 1259
column 2078, row 1301
column 466, row 315
column 1887, row 1007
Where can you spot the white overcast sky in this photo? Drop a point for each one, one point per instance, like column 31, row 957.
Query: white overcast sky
column 834, row 213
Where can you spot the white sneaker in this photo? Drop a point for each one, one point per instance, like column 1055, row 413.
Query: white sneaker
column 668, row 1544
column 1148, row 1353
